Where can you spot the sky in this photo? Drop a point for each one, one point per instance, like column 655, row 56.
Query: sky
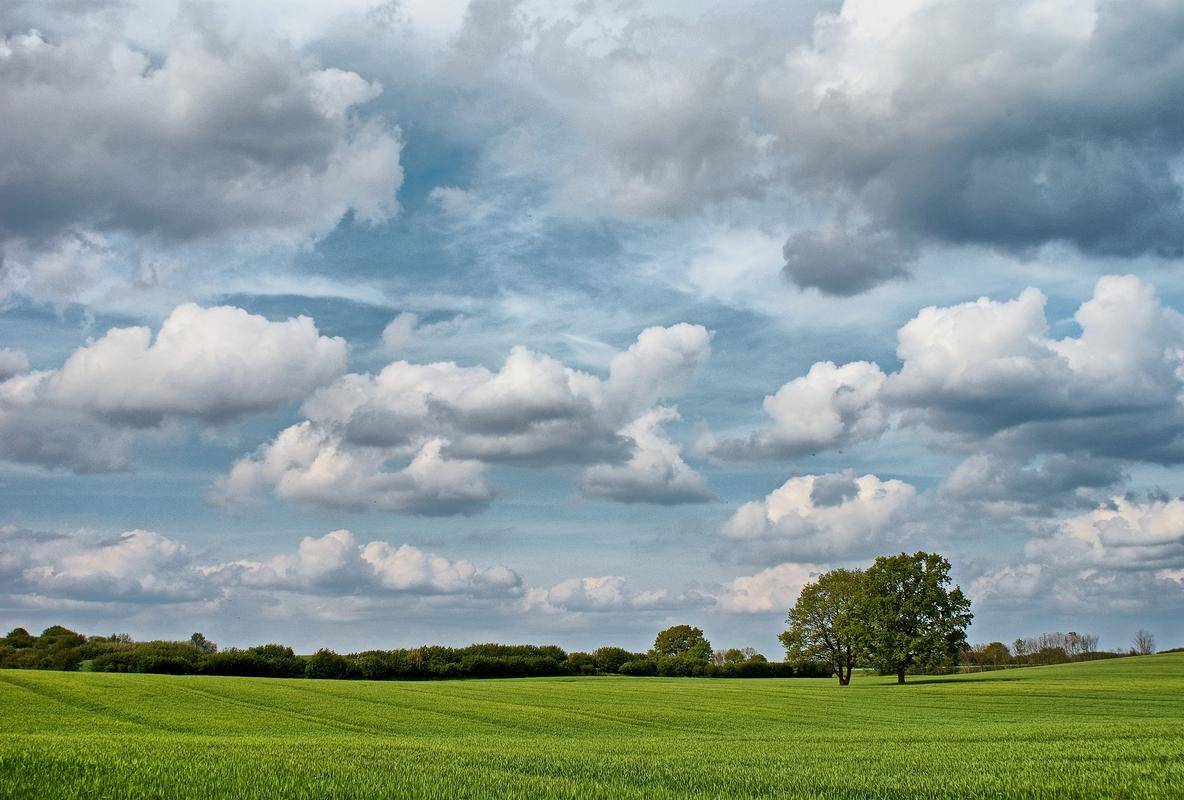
column 363, row 325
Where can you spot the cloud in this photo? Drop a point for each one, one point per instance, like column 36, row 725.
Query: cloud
column 209, row 365
column 1125, row 533
column 1124, row 555
column 407, row 330
column 533, row 412
column 601, row 594
column 337, row 564
column 305, row 464
column 775, row 589
column 988, row 370
column 655, row 471
column 213, row 139
column 830, row 406
column 844, row 262
column 1008, row 485
column 821, row 516
column 144, row 567
column 1034, row 122
column 12, row 362
column 1036, row 419
column 137, row 566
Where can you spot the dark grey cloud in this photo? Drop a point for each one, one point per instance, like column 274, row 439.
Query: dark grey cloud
column 1048, row 484
column 216, row 138
column 840, row 261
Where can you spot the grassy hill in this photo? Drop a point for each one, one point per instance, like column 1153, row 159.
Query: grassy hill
column 1108, row 728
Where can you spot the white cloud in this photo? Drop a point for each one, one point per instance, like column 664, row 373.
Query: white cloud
column 145, row 567
column 1124, row 533
column 338, row 564
column 211, row 365
column 816, row 516
column 597, row 594
column 307, row 465
column 207, row 363
column 828, row 407
column 136, row 566
column 775, row 589
column 534, row 411
column 986, row 378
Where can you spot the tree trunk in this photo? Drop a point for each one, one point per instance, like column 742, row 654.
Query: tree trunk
column 900, row 674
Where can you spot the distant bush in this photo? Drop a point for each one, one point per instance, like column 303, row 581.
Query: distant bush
column 686, row 654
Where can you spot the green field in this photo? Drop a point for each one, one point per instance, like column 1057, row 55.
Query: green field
column 1108, row 728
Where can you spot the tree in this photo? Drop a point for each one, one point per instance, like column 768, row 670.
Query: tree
column 911, row 617
column 610, row 659
column 683, row 641
column 202, row 644
column 826, row 623
column 734, row 655
column 1143, row 643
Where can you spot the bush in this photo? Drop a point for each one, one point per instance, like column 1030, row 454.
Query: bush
column 327, row 664
column 639, row 667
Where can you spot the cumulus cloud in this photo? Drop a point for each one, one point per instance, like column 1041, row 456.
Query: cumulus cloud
column 336, row 563
column 1125, row 554
column 1032, row 415
column 775, row 589
column 1124, row 533
column 601, row 594
column 831, row 406
column 215, row 138
column 136, row 566
column 988, row 369
column 533, row 411
column 146, row 567
column 655, row 471
column 816, row 516
column 307, row 465
column 210, row 365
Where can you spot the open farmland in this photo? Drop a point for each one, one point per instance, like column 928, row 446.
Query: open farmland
column 1108, row 728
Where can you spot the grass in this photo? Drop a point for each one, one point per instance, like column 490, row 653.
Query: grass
column 1108, row 728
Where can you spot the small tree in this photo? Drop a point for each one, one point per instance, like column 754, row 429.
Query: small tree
column 201, row 643
column 911, row 617
column 1143, row 643
column 683, row 641
column 826, row 623
column 734, row 655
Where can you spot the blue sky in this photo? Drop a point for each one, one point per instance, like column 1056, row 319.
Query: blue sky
column 374, row 325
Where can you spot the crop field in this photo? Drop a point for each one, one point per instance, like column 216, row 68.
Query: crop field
column 1109, row 728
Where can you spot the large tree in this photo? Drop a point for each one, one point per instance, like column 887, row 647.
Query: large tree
column 910, row 615
column 826, row 623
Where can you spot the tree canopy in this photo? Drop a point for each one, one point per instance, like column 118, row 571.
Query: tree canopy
column 826, row 624
column 911, row 617
column 895, row 615
column 683, row 640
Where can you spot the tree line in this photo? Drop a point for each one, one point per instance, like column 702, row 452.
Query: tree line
column 677, row 652
column 1050, row 648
